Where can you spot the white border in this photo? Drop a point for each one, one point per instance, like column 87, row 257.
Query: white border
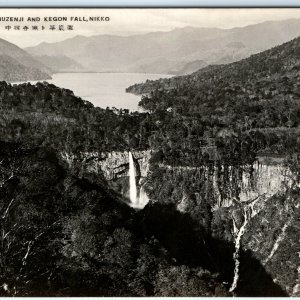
column 150, row 3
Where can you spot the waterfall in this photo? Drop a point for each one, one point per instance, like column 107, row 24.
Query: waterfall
column 249, row 213
column 132, row 181
column 137, row 200
column 236, row 254
column 278, row 241
column 143, row 198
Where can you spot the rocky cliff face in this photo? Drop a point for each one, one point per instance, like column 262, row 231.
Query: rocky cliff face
column 111, row 164
column 218, row 185
column 256, row 207
column 114, row 166
column 267, row 229
column 225, row 186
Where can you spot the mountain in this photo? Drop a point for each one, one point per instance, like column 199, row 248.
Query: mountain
column 259, row 93
column 83, row 239
column 190, row 67
column 241, row 121
column 162, row 52
column 17, row 65
column 80, row 237
column 217, row 154
column 264, row 80
column 60, row 63
column 167, row 66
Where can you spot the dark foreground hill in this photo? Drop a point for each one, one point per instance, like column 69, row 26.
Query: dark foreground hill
column 69, row 236
column 219, row 118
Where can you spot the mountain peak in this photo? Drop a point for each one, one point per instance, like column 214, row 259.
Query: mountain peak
column 141, row 52
column 17, row 65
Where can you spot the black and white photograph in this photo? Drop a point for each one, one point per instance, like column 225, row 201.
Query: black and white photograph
column 150, row 152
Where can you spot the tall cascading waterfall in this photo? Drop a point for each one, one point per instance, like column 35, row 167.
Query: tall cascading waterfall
column 132, row 181
column 249, row 213
column 136, row 201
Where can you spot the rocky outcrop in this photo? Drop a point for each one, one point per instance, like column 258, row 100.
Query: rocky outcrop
column 255, row 207
column 115, row 164
column 114, row 167
column 256, row 180
column 227, row 185
column 272, row 237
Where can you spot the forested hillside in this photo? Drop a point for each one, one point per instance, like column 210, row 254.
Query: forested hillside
column 69, row 236
column 212, row 126
column 44, row 114
column 257, row 97
column 204, row 131
column 17, row 65
column 94, row 243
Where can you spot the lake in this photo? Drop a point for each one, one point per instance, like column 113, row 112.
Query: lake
column 104, row 89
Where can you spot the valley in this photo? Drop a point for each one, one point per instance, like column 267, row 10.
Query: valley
column 195, row 194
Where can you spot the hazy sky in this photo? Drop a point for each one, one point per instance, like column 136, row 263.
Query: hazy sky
column 130, row 21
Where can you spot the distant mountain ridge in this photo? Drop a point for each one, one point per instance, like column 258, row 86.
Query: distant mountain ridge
column 174, row 52
column 17, row 65
column 251, row 109
column 261, row 91
column 60, row 63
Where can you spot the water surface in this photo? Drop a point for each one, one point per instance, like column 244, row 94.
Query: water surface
column 104, row 89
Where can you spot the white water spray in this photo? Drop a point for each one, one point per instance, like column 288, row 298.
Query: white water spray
column 137, row 200
column 236, row 254
column 278, row 241
column 132, row 181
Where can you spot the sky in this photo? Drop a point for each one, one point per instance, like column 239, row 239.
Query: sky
column 128, row 21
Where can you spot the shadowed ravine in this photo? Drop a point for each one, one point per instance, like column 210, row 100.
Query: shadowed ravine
column 191, row 245
column 216, row 152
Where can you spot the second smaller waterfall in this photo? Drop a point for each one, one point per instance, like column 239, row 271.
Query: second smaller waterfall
column 249, row 213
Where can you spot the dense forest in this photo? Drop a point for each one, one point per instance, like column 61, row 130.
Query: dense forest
column 253, row 103
column 17, row 65
column 70, row 234
column 49, row 116
column 97, row 244
column 65, row 235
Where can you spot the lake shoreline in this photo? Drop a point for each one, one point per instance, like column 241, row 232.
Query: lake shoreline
column 103, row 89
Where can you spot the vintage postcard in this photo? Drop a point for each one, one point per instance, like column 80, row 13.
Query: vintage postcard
column 150, row 152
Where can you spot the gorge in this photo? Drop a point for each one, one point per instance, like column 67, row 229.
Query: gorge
column 197, row 195
column 233, row 196
column 137, row 200
column 228, row 184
